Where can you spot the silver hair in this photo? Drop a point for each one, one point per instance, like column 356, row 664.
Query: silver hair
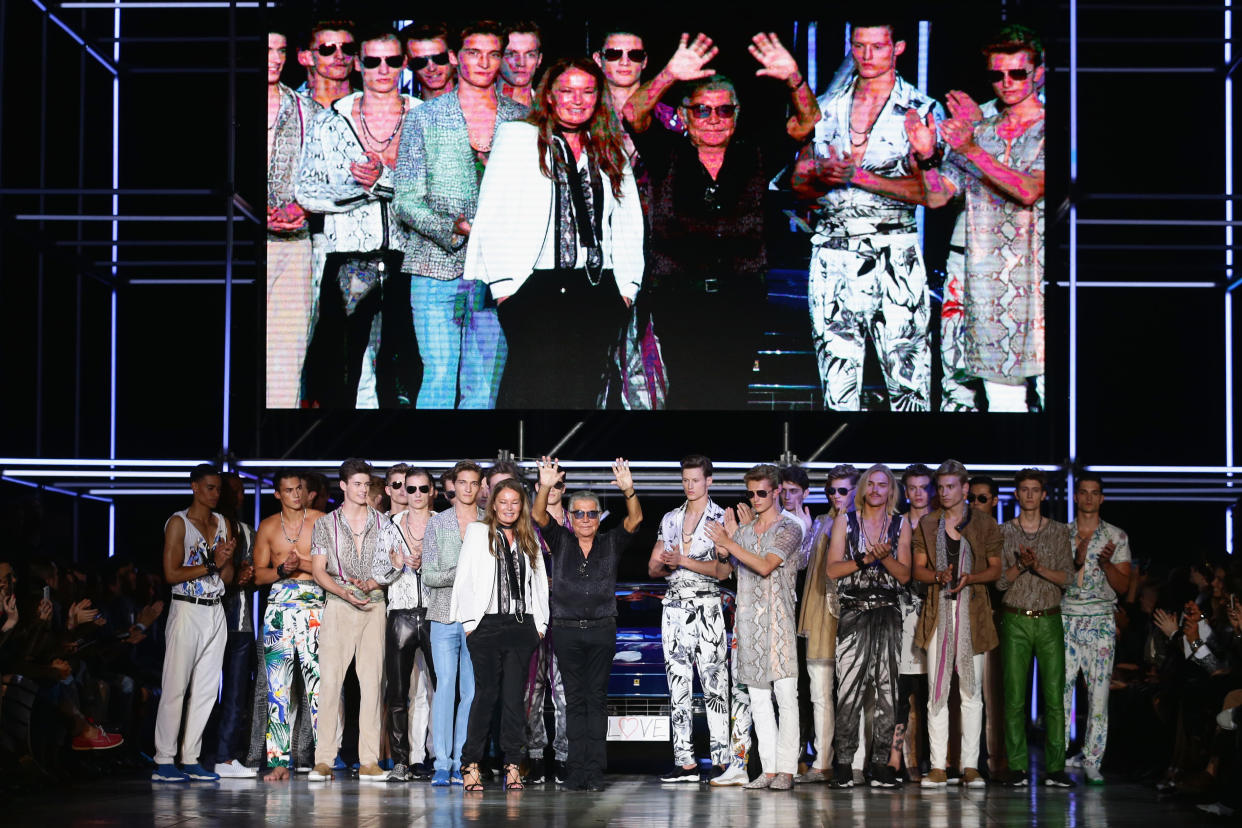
column 585, row 494
column 710, row 84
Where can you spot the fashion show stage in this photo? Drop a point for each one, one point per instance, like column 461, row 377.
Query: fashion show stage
column 628, row 800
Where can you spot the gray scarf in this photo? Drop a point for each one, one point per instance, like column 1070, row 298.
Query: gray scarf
column 956, row 646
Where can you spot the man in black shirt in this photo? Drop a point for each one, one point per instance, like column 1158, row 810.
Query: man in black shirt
column 583, row 608
column 707, row 257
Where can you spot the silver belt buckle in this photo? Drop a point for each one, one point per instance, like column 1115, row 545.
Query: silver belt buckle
column 709, row 286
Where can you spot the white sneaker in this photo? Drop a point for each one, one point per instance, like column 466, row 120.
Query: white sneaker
column 1093, row 775
column 234, row 769
column 1074, row 761
column 735, row 775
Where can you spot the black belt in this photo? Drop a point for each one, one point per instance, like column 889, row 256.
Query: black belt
column 206, row 602
column 583, row 623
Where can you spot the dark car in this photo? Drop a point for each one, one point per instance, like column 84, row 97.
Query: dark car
column 637, row 687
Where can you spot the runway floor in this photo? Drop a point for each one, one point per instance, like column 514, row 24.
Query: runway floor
column 628, row 801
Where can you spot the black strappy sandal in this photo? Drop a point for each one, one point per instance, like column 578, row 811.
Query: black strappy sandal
column 513, row 778
column 472, row 780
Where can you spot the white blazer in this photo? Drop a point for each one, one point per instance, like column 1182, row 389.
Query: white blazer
column 474, row 589
column 514, row 218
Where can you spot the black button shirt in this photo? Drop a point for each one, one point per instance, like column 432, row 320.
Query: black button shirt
column 583, row 587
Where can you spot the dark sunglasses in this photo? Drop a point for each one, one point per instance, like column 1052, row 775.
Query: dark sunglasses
column 841, row 490
column 373, row 61
column 703, row 111
column 757, row 493
column 329, row 49
column 420, row 63
column 979, row 498
column 578, row 514
column 998, row 75
column 636, row 55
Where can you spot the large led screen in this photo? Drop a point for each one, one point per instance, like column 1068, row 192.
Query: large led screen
column 844, row 214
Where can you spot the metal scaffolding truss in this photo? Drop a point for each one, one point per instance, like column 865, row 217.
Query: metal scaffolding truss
column 199, row 243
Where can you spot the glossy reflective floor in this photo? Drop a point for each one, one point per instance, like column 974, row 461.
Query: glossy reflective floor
column 628, row 801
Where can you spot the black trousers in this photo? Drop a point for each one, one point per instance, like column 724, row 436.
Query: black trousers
column 337, row 345
column 561, row 331
column 708, row 337
column 238, row 675
column 407, row 633
column 500, row 649
column 585, row 657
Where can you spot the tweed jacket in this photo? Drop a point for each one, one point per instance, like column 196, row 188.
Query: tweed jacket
column 984, row 536
column 436, row 181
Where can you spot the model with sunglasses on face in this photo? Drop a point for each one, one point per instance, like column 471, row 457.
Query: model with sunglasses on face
column 707, row 251
column 444, row 150
column 583, row 610
column 869, row 557
column 442, row 541
column 868, row 280
column 955, row 548
column 622, row 58
column 983, row 494
column 817, row 623
column 427, row 48
column 692, row 627
column 522, row 57
column 500, row 598
column 329, row 60
column 763, row 544
column 999, row 164
column 362, row 346
column 408, row 659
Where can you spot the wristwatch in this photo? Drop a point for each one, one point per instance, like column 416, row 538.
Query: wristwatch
column 930, row 163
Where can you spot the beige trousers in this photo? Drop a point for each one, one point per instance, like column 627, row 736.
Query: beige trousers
column 347, row 634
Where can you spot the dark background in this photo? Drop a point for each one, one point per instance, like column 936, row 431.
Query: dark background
column 1150, row 361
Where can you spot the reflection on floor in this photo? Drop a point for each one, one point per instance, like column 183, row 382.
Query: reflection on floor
column 628, row 801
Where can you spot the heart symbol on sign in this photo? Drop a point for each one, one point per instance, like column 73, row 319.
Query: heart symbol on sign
column 628, row 725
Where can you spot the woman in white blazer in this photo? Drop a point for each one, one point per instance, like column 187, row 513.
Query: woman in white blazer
column 500, row 597
column 558, row 237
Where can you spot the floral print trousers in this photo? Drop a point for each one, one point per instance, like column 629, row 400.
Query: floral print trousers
column 290, row 630
column 1090, row 642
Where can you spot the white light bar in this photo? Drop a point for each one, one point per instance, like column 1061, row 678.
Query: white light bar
column 1082, row 284
column 101, row 473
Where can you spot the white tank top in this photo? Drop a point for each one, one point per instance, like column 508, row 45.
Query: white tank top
column 196, row 551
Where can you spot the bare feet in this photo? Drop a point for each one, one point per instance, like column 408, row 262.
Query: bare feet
column 277, row 774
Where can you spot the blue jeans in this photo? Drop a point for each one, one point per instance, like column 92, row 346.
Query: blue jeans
column 457, row 335
column 452, row 659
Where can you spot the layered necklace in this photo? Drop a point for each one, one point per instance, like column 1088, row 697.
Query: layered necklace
column 382, row 145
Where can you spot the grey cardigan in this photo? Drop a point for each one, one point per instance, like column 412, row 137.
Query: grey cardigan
column 436, row 181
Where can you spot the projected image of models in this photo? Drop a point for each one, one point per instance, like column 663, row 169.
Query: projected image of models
column 479, row 216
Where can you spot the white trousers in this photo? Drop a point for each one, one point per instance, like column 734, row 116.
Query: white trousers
column 421, row 695
column 972, row 707
column 778, row 744
column 823, row 716
column 193, row 654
